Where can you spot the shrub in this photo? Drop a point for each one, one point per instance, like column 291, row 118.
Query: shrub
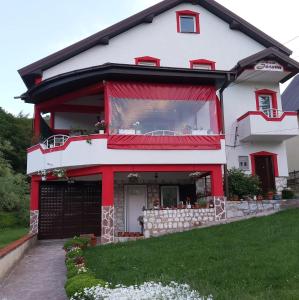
column 287, row 194
column 8, row 219
column 78, row 283
column 73, row 254
column 81, row 242
column 241, row 184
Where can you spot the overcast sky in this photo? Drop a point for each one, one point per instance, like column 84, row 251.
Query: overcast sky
column 32, row 29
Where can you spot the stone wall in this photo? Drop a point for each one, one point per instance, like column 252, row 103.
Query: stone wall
column 107, row 235
column 281, row 183
column 34, row 221
column 159, row 222
column 239, row 209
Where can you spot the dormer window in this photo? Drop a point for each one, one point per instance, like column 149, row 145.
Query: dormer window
column 202, row 64
column 147, row 61
column 187, row 21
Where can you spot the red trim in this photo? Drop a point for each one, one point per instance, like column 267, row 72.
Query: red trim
column 86, row 91
column 202, row 62
column 147, row 59
column 264, row 153
column 260, row 113
column 61, row 131
column 188, row 13
column 36, row 121
column 67, row 143
column 84, row 109
column 34, row 194
column 107, row 108
column 217, row 182
column 271, row 93
column 140, row 142
column 107, row 186
column 38, row 80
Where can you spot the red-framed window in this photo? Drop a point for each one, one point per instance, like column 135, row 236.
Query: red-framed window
column 187, row 21
column 266, row 101
column 202, row 64
column 147, row 61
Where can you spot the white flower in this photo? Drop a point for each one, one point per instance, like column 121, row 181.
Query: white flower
column 146, row 291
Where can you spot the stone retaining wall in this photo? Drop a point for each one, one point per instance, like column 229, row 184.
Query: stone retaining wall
column 239, row 209
column 159, row 222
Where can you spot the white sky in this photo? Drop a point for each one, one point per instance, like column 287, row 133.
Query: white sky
column 32, row 29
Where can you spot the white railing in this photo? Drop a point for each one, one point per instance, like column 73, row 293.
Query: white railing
column 273, row 113
column 162, row 133
column 55, row 141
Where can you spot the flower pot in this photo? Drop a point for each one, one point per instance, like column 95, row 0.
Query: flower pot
column 235, row 198
column 259, row 198
column 270, row 195
column 93, row 241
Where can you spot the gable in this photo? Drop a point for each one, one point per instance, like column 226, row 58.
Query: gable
column 160, row 39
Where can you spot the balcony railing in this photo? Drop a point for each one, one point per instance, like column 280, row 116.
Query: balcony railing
column 55, row 141
column 273, row 113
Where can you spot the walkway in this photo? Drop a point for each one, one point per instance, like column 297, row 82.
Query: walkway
column 40, row 275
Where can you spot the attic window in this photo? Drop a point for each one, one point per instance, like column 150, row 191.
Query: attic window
column 202, row 64
column 147, row 61
column 187, row 21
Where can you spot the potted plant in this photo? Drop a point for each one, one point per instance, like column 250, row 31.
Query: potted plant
column 203, row 203
column 133, row 177
column 270, row 195
column 101, row 126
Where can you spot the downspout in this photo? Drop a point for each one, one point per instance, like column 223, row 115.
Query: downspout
column 228, row 81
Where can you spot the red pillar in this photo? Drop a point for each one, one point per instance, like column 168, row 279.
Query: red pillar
column 216, row 181
column 36, row 122
column 107, row 232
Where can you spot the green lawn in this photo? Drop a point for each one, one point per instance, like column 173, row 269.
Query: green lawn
column 8, row 235
column 253, row 259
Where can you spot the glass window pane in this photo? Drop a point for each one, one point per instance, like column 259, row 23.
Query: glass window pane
column 169, row 196
column 147, row 63
column 265, row 102
column 187, row 23
column 202, row 66
column 163, row 117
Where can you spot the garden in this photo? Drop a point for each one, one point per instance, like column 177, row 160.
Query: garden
column 252, row 259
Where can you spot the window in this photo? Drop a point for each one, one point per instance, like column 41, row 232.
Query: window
column 202, row 64
column 244, row 163
column 187, row 21
column 266, row 101
column 169, row 196
column 147, row 61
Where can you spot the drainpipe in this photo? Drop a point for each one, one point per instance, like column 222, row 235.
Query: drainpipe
column 228, row 81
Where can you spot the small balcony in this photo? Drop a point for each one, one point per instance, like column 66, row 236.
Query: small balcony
column 269, row 126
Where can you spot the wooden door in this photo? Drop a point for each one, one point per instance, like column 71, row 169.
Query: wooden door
column 265, row 170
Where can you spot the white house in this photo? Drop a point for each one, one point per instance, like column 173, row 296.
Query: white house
column 187, row 89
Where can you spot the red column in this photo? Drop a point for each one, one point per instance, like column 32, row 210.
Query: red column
column 216, row 181
column 36, row 122
column 107, row 187
column 34, row 195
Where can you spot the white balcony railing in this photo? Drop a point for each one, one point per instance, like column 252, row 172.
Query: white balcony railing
column 273, row 113
column 55, row 141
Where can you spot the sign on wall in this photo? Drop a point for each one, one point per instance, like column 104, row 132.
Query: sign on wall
column 271, row 66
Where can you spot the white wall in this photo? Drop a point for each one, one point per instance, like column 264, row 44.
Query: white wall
column 81, row 153
column 160, row 39
column 292, row 146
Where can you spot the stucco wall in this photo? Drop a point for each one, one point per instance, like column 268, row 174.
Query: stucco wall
column 160, row 39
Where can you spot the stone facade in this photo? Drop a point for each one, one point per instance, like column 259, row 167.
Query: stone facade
column 237, row 209
column 280, row 183
column 107, row 224
column 220, row 209
column 34, row 221
column 119, row 209
column 159, row 222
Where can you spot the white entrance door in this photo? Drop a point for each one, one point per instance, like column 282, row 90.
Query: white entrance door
column 135, row 201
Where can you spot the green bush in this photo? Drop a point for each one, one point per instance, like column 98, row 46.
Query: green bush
column 287, row 194
column 8, row 219
column 72, row 271
column 79, row 282
column 81, row 242
column 74, row 253
column 241, row 184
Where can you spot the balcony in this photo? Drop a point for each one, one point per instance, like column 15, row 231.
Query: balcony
column 269, row 126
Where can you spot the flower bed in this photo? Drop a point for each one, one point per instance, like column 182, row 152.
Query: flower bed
column 82, row 284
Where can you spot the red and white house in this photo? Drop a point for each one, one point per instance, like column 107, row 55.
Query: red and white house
column 187, row 89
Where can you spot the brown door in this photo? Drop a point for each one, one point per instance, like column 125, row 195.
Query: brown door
column 264, row 169
column 67, row 210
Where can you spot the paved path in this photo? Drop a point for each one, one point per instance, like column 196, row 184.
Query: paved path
column 40, row 275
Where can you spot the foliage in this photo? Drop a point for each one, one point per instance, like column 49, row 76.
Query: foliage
column 8, row 235
column 79, row 282
column 241, row 184
column 81, row 242
column 287, row 194
column 240, row 260
column 15, row 135
column 75, row 253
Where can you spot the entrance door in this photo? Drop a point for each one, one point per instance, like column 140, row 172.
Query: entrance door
column 264, row 169
column 67, row 210
column 135, row 202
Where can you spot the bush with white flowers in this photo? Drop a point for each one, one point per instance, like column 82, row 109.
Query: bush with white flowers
column 146, row 291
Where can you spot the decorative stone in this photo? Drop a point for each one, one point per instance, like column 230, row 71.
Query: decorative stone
column 107, row 224
column 34, row 221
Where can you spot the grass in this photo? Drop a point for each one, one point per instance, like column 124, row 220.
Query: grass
column 8, row 235
column 252, row 259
